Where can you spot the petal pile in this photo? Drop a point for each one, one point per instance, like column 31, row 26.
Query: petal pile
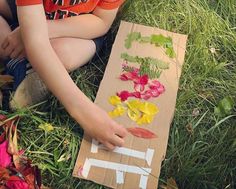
column 5, row 157
column 16, row 171
column 138, row 111
column 143, row 86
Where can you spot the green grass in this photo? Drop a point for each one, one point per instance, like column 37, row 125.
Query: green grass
column 203, row 158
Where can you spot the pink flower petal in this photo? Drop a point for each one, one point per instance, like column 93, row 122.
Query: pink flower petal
column 155, row 93
column 136, row 94
column 124, row 95
column 5, row 158
column 139, row 87
column 123, row 77
column 129, row 75
column 144, row 80
column 161, row 89
column 156, row 83
column 147, row 95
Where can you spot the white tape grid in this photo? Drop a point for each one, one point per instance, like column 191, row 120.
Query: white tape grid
column 119, row 168
column 148, row 155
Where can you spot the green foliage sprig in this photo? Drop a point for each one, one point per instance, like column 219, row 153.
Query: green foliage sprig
column 158, row 40
column 148, row 65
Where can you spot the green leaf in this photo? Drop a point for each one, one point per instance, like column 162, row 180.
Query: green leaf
column 145, row 40
column 170, row 52
column 134, row 36
column 160, row 40
column 224, row 107
column 128, row 58
column 160, row 64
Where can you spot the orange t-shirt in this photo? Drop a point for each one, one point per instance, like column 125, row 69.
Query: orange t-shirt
column 58, row 9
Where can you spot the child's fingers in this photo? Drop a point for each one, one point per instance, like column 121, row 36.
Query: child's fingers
column 121, row 131
column 117, row 141
column 109, row 146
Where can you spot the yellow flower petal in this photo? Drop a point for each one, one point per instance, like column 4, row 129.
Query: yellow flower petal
column 134, row 104
column 47, row 127
column 114, row 100
column 148, row 108
column 134, row 114
column 118, row 111
column 145, row 119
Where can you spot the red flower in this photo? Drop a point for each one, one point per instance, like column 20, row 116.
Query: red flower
column 124, row 95
column 15, row 182
column 5, row 158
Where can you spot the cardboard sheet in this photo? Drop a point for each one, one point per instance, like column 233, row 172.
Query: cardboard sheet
column 138, row 163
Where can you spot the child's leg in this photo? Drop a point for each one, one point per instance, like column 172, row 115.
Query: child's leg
column 5, row 10
column 73, row 52
column 5, row 30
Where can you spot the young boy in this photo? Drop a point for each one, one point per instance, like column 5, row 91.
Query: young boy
column 64, row 41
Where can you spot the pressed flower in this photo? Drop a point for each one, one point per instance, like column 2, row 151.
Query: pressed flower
column 135, row 94
column 148, row 108
column 142, row 80
column 138, row 111
column 124, row 95
column 141, row 133
column 134, row 114
column 161, row 89
column 118, row 111
column 144, row 88
column 5, row 157
column 138, row 87
column 145, row 119
column 134, row 104
column 115, row 100
column 129, row 75
column 146, row 95
column 47, row 127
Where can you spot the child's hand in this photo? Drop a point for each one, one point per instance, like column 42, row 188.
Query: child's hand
column 101, row 127
column 13, row 45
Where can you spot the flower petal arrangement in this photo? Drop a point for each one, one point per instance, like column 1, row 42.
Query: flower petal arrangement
column 143, row 86
column 138, row 111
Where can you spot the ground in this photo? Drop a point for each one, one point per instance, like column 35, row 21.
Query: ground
column 202, row 144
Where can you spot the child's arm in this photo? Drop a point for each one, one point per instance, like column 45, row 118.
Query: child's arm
column 86, row 26
column 94, row 121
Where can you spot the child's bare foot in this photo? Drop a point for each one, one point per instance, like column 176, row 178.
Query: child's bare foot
column 97, row 124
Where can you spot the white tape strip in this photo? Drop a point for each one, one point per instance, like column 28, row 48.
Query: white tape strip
column 126, row 151
column 119, row 168
column 143, row 182
column 114, row 166
column 119, row 177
